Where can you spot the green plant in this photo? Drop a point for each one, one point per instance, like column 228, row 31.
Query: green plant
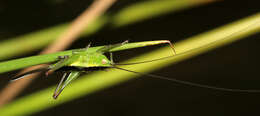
column 95, row 81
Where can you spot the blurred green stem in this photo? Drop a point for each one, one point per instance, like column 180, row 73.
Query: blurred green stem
column 37, row 40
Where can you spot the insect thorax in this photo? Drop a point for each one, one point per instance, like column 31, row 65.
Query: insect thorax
column 90, row 60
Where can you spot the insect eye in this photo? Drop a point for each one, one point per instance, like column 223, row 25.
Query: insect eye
column 104, row 61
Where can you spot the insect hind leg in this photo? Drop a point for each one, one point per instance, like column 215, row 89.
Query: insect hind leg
column 65, row 80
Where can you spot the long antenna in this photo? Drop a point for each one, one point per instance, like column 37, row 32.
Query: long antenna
column 190, row 83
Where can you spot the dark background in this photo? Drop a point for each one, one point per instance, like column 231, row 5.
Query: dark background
column 232, row 66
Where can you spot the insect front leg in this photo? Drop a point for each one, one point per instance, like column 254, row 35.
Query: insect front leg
column 64, row 60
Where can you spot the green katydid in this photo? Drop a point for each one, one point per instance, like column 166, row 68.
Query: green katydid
column 82, row 60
